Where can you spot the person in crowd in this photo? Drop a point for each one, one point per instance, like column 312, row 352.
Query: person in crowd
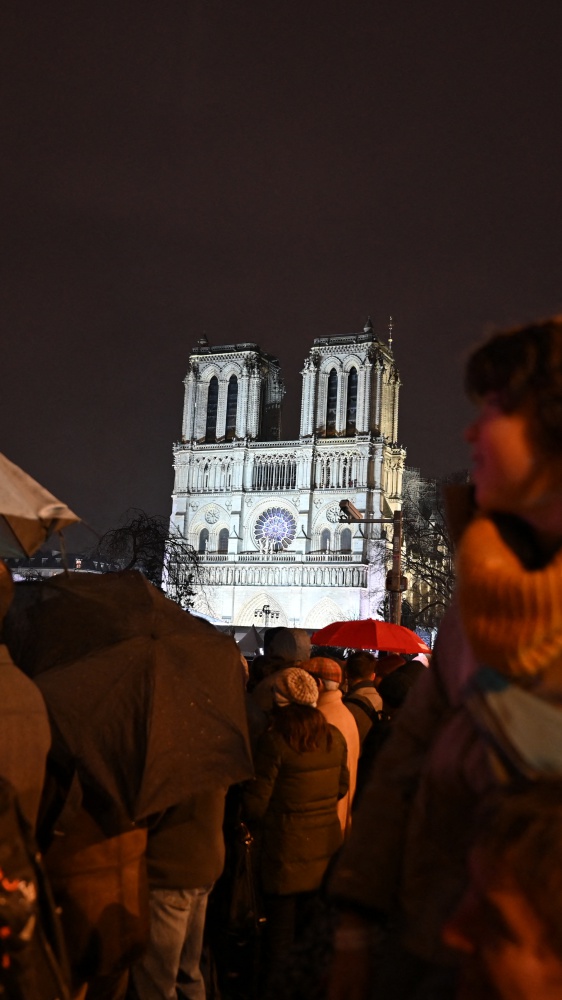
column 387, row 663
column 285, row 647
column 328, row 676
column 32, row 954
column 25, row 733
column 404, row 866
column 301, row 773
column 362, row 698
column 393, row 690
column 264, row 664
column 257, row 719
column 185, row 856
column 508, row 924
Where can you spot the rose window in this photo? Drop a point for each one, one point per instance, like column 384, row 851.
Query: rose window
column 333, row 513
column 275, row 529
column 212, row 515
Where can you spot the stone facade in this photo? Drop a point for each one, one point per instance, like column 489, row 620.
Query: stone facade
column 264, row 513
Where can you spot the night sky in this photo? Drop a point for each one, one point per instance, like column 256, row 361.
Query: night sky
column 269, row 171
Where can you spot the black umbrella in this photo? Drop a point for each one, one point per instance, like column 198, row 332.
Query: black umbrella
column 146, row 701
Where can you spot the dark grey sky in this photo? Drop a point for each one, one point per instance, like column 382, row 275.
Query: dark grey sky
column 267, row 171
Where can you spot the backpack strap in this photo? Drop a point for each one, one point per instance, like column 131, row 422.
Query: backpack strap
column 370, row 711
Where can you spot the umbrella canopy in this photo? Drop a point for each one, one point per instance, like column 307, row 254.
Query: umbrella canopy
column 147, row 703
column 28, row 513
column 371, row 634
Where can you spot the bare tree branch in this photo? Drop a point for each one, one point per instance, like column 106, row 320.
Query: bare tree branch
column 150, row 544
column 428, row 560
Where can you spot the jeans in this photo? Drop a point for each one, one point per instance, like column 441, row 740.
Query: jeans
column 170, row 967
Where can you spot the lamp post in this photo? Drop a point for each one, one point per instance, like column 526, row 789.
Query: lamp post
column 395, row 582
column 266, row 613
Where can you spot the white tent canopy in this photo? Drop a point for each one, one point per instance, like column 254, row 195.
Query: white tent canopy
column 28, row 512
column 251, row 642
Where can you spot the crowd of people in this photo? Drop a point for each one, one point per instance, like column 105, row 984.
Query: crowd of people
column 401, row 835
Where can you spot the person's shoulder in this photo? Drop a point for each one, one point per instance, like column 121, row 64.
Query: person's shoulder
column 338, row 739
column 17, row 688
column 272, row 742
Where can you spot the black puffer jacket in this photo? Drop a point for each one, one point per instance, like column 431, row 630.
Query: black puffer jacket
column 295, row 796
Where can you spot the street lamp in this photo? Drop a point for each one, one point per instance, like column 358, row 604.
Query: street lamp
column 395, row 582
column 266, row 613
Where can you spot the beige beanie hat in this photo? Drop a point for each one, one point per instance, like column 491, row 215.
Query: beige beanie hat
column 295, row 687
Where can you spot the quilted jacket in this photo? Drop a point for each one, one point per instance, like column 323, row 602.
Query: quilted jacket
column 294, row 797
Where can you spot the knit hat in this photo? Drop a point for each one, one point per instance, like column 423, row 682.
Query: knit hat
column 295, row 687
column 326, row 669
column 289, row 644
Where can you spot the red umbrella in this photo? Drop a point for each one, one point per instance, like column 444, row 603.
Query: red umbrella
column 371, row 634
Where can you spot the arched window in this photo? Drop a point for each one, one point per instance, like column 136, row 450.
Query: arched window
column 203, row 540
column 332, row 403
column 212, row 406
column 223, row 540
column 231, row 404
column 325, row 538
column 345, row 540
column 351, row 413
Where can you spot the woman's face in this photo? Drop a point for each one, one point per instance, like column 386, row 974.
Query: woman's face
column 509, row 471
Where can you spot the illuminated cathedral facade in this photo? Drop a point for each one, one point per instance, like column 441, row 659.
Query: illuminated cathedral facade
column 263, row 513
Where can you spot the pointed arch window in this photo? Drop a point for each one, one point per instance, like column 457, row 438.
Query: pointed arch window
column 212, row 406
column 351, row 413
column 325, row 539
column 231, row 405
column 203, row 540
column 332, row 403
column 223, row 540
column 345, row 540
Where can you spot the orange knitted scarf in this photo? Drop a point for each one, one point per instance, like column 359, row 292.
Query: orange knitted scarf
column 512, row 615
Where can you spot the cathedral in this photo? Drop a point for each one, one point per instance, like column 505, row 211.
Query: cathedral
column 264, row 513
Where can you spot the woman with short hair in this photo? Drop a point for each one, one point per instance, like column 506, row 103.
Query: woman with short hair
column 404, row 867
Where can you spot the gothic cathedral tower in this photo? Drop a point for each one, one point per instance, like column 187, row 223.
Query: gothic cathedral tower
column 264, row 513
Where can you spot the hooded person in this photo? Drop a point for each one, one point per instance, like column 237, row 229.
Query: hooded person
column 285, row 646
column 301, row 773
